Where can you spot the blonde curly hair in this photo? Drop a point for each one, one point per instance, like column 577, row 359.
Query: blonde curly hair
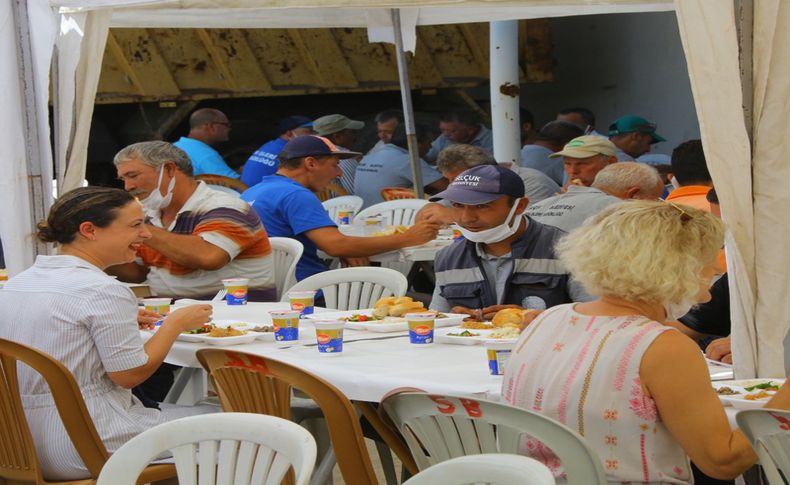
column 643, row 251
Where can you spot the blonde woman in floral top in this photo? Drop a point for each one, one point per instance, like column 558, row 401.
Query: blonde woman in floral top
column 637, row 390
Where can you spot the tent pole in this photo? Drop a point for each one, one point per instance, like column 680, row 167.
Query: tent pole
column 33, row 155
column 744, row 21
column 505, row 91
column 408, row 110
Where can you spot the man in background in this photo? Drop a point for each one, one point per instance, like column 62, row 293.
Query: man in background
column 690, row 176
column 585, row 156
column 460, row 127
column 633, row 136
column 386, row 122
column 208, row 127
column 264, row 161
column 551, row 138
column 341, row 131
column 581, row 117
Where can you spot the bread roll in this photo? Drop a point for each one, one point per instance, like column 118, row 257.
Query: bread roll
column 381, row 311
column 508, row 317
column 403, row 299
column 404, row 308
column 387, row 300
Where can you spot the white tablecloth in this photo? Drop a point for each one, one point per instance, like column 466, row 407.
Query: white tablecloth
column 371, row 364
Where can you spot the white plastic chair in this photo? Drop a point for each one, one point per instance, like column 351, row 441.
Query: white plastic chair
column 495, row 469
column 438, row 428
column 354, row 288
column 221, row 449
column 286, row 253
column 768, row 430
column 395, row 212
column 342, row 203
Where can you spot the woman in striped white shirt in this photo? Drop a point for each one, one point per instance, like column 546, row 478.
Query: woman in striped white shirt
column 66, row 306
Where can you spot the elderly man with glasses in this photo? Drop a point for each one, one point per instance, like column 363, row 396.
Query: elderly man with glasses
column 207, row 127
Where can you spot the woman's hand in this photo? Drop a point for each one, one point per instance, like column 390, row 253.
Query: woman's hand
column 146, row 319
column 190, row 318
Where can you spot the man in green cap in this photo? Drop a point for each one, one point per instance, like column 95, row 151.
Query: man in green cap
column 633, row 135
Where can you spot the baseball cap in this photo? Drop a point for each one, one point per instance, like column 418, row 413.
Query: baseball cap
column 326, row 125
column 586, row 146
column 292, row 122
column 312, row 146
column 482, row 184
column 631, row 124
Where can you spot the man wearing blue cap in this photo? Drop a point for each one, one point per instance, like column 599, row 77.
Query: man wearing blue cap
column 633, row 135
column 505, row 257
column 288, row 207
column 264, row 161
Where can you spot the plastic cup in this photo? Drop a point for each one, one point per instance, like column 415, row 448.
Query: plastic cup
column 157, row 305
column 286, row 325
column 420, row 327
column 373, row 224
column 498, row 355
column 237, row 290
column 329, row 335
column 344, row 217
column 302, row 302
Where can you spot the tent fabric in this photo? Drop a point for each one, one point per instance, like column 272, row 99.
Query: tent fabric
column 82, row 36
column 750, row 178
column 16, row 229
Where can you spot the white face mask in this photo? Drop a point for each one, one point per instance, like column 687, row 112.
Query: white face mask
column 155, row 200
column 498, row 233
column 677, row 310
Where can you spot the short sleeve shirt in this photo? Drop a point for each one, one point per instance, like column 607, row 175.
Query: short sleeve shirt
column 288, row 209
column 537, row 157
column 220, row 219
column 205, row 160
column 569, row 210
column 484, row 139
column 387, row 167
column 263, row 162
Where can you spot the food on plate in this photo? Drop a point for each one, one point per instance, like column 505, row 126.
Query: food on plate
column 397, row 307
column 465, row 333
column 765, row 386
column 208, row 327
column 475, row 325
column 262, row 329
column 505, row 333
column 758, row 395
column 382, row 311
column 387, row 300
column 225, row 332
column 509, row 317
column 391, row 230
column 726, row 391
column 357, row 317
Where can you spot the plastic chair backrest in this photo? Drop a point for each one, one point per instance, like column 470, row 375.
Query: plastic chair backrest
column 498, row 469
column 397, row 193
column 330, row 191
column 342, row 203
column 395, row 212
column 18, row 459
column 768, row 430
column 286, row 253
column 438, row 428
column 354, row 288
column 219, row 449
column 244, row 383
column 218, row 182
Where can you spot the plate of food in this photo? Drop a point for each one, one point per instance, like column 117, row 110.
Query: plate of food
column 747, row 393
column 218, row 335
column 387, row 315
column 262, row 331
column 460, row 336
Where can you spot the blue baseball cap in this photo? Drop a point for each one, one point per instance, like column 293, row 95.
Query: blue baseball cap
column 631, row 124
column 313, row 146
column 481, row 185
column 292, row 122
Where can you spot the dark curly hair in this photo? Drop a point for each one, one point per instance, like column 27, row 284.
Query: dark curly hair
column 98, row 205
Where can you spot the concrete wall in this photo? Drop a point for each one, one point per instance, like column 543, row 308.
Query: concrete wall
column 616, row 65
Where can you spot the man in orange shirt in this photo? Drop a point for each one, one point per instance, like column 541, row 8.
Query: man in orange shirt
column 691, row 177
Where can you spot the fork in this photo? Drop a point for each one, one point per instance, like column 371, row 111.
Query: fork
column 220, row 295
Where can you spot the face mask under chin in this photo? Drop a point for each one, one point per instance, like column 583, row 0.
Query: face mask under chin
column 498, row 233
column 157, row 201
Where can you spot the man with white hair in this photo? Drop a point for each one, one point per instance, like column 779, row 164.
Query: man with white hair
column 617, row 182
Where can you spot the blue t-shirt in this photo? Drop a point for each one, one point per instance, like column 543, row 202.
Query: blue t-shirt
column 537, row 157
column 387, row 167
column 288, row 209
column 204, row 158
column 263, row 162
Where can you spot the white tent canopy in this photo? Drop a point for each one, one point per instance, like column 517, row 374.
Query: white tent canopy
column 749, row 180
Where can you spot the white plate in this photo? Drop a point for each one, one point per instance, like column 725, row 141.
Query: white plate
column 737, row 400
column 190, row 337
column 265, row 336
column 239, row 339
column 442, row 337
column 382, row 325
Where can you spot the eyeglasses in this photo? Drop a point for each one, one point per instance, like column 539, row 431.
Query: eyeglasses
column 684, row 216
